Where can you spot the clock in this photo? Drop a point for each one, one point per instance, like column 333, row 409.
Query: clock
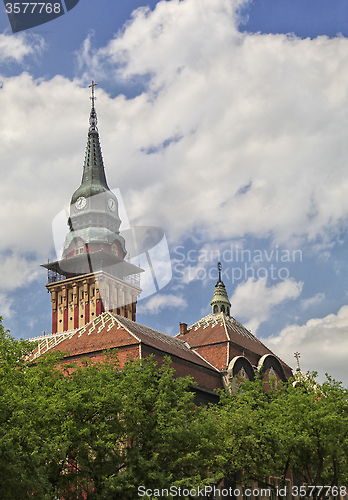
column 112, row 204
column 80, row 203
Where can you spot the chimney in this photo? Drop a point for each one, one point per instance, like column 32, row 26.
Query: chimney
column 183, row 328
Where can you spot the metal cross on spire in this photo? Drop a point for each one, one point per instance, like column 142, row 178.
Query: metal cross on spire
column 297, row 356
column 93, row 116
column 93, row 97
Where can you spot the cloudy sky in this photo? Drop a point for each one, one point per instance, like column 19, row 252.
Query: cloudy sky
column 222, row 122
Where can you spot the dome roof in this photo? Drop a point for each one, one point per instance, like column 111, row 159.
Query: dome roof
column 220, row 302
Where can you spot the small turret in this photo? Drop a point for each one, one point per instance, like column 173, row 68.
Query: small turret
column 220, row 302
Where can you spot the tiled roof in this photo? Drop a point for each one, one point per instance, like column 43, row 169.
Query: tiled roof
column 219, row 328
column 109, row 331
column 206, row 331
column 163, row 342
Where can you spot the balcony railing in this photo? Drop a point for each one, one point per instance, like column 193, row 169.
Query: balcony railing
column 133, row 279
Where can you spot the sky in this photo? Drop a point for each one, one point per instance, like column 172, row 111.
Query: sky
column 222, row 122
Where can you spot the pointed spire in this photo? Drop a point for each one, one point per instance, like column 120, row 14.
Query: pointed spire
column 94, row 216
column 220, row 302
column 93, row 177
column 93, row 115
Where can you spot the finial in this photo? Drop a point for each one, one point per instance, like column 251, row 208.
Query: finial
column 297, row 356
column 92, row 87
column 219, row 269
column 93, row 116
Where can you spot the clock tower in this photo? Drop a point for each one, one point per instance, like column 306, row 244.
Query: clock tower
column 92, row 275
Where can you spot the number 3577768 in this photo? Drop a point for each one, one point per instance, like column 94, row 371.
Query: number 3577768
column 31, row 8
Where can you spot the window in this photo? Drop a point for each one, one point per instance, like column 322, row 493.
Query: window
column 79, row 250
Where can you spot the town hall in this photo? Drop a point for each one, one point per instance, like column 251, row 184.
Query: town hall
column 94, row 291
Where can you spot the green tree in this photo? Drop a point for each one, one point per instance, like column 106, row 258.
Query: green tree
column 272, row 428
column 318, row 416
column 21, row 450
column 170, row 441
column 131, row 428
column 91, row 430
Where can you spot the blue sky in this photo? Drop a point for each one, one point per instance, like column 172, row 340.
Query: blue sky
column 223, row 123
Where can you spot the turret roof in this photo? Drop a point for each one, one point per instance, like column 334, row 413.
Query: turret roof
column 93, row 177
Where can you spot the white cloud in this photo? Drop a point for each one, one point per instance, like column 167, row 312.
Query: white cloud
column 319, row 297
column 322, row 342
column 41, row 156
column 235, row 134
column 158, row 303
column 253, row 300
column 263, row 111
column 5, row 305
column 14, row 48
column 16, row 271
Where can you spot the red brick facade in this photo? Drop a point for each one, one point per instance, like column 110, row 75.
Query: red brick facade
column 212, row 351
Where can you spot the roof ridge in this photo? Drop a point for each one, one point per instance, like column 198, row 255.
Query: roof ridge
column 225, row 327
column 66, row 334
column 206, row 361
column 116, row 316
column 161, row 335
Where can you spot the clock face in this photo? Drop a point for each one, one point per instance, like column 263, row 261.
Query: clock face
column 80, row 203
column 112, row 204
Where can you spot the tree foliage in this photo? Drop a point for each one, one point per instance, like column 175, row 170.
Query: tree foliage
column 94, row 431
column 77, row 431
column 273, row 428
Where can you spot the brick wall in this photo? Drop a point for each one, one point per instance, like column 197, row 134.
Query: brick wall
column 215, row 354
column 204, row 377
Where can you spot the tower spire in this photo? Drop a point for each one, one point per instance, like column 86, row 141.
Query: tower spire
column 93, row 176
column 220, row 302
column 93, row 116
column 91, row 275
column 94, row 217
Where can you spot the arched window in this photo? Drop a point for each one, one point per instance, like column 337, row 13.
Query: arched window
column 215, row 309
column 222, row 308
